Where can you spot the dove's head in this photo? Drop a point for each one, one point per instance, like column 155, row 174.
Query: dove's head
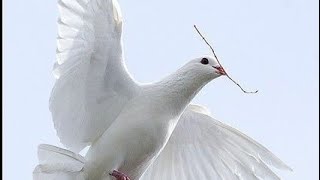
column 182, row 86
column 206, row 67
column 187, row 81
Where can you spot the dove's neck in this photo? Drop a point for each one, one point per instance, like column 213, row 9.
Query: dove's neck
column 179, row 88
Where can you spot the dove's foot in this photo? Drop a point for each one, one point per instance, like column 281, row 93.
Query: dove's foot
column 119, row 175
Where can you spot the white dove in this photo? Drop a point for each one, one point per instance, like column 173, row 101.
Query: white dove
column 135, row 131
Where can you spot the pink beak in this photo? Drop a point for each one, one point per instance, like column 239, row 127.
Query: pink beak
column 220, row 70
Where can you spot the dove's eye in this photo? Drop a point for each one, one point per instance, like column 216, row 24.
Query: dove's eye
column 204, row 61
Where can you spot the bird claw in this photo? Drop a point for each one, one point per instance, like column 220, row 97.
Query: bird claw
column 119, row 175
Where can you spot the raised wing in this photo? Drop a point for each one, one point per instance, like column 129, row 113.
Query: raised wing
column 204, row 148
column 92, row 82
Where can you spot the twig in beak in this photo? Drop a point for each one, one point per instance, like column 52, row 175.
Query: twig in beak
column 204, row 39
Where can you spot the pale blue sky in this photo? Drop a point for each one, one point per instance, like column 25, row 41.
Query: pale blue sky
column 270, row 45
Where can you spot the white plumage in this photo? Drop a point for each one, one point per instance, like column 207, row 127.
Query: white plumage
column 204, row 148
column 148, row 132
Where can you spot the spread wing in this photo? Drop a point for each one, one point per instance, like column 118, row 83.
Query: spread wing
column 92, row 82
column 204, row 148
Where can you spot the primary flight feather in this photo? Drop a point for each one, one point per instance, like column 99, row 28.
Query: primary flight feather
column 135, row 131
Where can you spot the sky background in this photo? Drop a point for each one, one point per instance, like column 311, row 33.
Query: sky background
column 267, row 45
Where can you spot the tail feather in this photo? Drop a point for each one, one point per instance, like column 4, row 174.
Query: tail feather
column 58, row 164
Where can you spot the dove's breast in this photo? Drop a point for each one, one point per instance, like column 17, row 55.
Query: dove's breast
column 134, row 140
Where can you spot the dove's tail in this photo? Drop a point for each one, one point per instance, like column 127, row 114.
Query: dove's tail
column 58, row 164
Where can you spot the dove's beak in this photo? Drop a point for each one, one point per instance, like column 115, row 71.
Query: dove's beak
column 219, row 70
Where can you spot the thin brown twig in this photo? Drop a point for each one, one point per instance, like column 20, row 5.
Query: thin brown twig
column 204, row 39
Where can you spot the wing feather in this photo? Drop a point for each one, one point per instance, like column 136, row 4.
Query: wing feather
column 209, row 149
column 92, row 82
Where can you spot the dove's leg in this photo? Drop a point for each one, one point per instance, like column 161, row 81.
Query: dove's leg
column 119, row 175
